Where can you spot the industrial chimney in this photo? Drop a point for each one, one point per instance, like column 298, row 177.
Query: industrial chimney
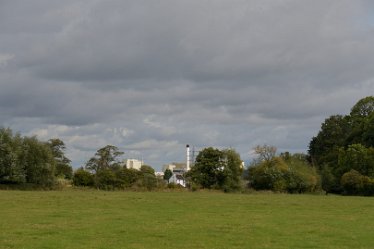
column 188, row 157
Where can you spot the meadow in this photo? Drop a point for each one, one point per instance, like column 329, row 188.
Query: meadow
column 99, row 219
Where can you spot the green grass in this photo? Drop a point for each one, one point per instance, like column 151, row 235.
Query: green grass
column 97, row 219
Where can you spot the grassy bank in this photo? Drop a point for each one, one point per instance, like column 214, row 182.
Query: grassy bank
column 98, row 219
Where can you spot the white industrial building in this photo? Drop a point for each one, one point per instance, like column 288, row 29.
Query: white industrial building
column 134, row 164
column 179, row 169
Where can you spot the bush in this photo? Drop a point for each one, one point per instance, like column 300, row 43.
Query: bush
column 106, row 179
column 293, row 176
column 356, row 184
column 148, row 181
column 173, row 185
column 130, row 177
column 268, row 175
column 83, row 178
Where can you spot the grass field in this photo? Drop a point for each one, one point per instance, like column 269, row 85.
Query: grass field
column 97, row 219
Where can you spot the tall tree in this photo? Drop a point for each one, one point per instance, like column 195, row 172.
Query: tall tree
column 11, row 166
column 63, row 167
column 363, row 108
column 232, row 170
column 345, row 143
column 265, row 152
column 324, row 148
column 105, row 166
column 105, row 158
column 362, row 122
column 39, row 162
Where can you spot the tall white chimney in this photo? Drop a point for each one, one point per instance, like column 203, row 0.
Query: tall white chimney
column 188, row 157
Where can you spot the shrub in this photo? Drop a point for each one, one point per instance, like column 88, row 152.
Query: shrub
column 106, row 179
column 293, row 176
column 356, row 184
column 83, row 178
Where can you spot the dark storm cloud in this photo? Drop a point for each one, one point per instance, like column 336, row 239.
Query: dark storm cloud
column 151, row 76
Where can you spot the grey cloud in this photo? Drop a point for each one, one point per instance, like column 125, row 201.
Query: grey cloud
column 241, row 41
column 153, row 76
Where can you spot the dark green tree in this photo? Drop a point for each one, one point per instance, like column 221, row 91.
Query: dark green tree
column 83, row 178
column 360, row 122
column 168, row 174
column 148, row 178
column 130, row 177
column 206, row 168
column 356, row 157
column 368, row 131
column 324, row 148
column 215, row 169
column 363, row 108
column 345, row 143
column 39, row 162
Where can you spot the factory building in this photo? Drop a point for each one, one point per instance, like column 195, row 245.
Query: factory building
column 134, row 164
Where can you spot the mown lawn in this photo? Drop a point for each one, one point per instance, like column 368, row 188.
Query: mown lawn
column 97, row 219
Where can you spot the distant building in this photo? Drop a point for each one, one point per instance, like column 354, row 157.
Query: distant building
column 178, row 170
column 178, row 179
column 134, row 164
column 174, row 166
column 159, row 174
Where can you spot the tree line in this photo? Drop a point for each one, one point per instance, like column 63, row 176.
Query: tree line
column 340, row 160
column 343, row 150
column 28, row 161
column 105, row 171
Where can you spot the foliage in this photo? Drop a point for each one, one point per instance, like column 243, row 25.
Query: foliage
column 329, row 182
column 168, row 174
column 268, row 175
column 39, row 162
column 106, row 179
column 355, row 183
column 356, row 157
column 345, row 143
column 130, row 177
column 232, row 171
column 25, row 160
column 147, row 178
column 286, row 173
column 215, row 169
column 11, row 157
column 63, row 167
column 146, row 169
column 106, row 168
column 83, row 178
column 324, row 148
column 265, row 152
column 105, row 158
column 108, row 173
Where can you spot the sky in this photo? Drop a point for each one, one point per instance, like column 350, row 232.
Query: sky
column 152, row 76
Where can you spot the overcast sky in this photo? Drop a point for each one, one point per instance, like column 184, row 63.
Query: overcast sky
column 153, row 76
